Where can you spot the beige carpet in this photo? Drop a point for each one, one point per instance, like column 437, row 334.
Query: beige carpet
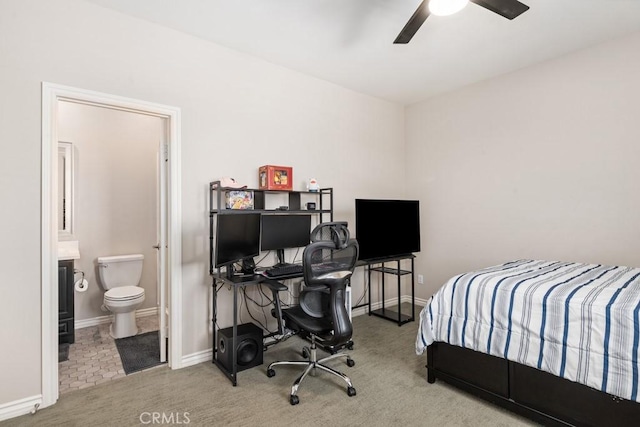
column 389, row 378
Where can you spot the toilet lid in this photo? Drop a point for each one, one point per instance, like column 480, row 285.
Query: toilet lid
column 123, row 293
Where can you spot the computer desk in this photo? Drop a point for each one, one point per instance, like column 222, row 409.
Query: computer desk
column 237, row 282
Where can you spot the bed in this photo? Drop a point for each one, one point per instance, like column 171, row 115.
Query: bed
column 557, row 342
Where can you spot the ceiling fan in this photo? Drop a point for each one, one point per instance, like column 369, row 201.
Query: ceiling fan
column 510, row 9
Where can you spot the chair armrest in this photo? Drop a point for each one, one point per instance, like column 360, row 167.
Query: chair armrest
column 274, row 284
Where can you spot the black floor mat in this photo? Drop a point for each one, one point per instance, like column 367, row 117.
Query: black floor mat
column 139, row 351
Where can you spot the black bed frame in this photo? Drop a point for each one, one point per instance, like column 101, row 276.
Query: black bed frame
column 532, row 393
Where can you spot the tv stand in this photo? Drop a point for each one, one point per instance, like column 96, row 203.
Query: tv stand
column 378, row 265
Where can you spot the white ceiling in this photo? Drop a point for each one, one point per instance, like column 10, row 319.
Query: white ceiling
column 350, row 42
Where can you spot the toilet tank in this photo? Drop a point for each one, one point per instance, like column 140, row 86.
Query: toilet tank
column 120, row 270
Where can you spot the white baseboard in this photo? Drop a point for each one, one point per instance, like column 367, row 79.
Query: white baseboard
column 100, row 320
column 20, row 407
column 419, row 301
column 198, row 357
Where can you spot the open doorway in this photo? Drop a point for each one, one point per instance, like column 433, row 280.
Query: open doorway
column 167, row 250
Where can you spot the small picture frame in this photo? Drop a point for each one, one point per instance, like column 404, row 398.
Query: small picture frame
column 239, row 199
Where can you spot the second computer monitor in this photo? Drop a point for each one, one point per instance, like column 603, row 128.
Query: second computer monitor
column 287, row 231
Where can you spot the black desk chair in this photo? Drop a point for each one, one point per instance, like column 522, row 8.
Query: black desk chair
column 328, row 261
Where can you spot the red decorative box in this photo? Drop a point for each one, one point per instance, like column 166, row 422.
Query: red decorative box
column 275, row 177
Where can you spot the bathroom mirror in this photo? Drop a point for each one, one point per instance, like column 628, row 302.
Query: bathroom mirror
column 65, row 190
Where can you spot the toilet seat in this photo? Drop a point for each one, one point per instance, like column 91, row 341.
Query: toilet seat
column 124, row 293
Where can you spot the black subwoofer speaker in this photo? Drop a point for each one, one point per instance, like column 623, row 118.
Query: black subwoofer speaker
column 249, row 347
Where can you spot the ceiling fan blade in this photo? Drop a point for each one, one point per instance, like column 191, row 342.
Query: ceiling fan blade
column 415, row 22
column 508, row 8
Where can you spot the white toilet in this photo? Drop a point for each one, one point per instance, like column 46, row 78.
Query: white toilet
column 120, row 276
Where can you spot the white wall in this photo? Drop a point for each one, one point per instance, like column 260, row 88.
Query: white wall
column 115, row 156
column 237, row 113
column 541, row 163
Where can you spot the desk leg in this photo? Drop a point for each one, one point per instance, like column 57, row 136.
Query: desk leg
column 234, row 353
column 399, row 293
column 214, row 320
column 369, row 280
column 413, row 298
column 382, row 281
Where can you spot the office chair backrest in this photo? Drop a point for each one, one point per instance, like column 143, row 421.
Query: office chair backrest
column 331, row 264
column 336, row 232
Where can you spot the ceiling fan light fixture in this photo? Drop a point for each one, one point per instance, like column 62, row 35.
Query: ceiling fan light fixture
column 446, row 7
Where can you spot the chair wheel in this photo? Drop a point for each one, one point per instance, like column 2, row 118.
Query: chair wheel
column 351, row 391
column 350, row 362
column 305, row 353
column 271, row 373
column 293, row 399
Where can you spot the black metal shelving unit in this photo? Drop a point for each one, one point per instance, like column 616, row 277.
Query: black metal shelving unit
column 378, row 266
column 323, row 199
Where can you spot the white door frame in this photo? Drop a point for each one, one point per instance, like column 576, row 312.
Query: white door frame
column 51, row 94
column 162, row 159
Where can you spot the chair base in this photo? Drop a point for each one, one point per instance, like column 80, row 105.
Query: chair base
column 311, row 365
column 328, row 348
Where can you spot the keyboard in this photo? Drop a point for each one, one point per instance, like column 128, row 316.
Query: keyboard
column 284, row 270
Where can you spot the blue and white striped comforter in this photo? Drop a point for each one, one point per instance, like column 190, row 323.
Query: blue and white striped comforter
column 577, row 321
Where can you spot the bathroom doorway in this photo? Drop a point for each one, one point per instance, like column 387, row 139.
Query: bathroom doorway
column 57, row 99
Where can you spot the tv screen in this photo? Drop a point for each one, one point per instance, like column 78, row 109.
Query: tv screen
column 237, row 237
column 387, row 228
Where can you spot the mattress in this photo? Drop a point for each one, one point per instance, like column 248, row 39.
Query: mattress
column 574, row 320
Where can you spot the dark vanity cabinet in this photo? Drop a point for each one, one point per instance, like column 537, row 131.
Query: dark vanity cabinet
column 66, row 333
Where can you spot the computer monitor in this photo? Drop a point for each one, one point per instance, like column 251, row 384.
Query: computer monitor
column 237, row 237
column 280, row 232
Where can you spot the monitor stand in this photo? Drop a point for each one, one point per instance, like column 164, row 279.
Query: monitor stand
column 281, row 262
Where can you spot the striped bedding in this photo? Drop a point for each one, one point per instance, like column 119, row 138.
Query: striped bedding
column 577, row 321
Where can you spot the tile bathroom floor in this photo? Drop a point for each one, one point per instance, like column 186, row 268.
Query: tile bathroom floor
column 94, row 358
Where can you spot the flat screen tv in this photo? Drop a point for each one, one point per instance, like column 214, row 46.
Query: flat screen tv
column 387, row 228
column 237, row 237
